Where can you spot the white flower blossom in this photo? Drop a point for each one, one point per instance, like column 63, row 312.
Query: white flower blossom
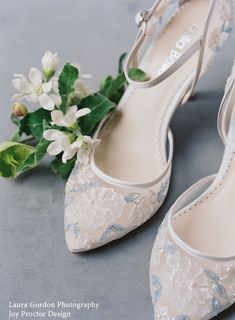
column 81, row 89
column 82, row 146
column 35, row 90
column 60, row 141
column 68, row 119
column 87, row 146
column 50, row 62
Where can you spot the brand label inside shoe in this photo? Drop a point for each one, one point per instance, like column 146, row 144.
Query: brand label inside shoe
column 180, row 45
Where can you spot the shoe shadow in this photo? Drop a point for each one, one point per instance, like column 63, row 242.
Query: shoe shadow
column 227, row 314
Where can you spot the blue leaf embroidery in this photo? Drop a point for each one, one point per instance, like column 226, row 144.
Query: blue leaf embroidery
column 170, row 247
column 156, row 283
column 182, row 317
column 105, row 235
column 215, row 306
column 74, row 228
column 220, row 290
column 162, row 193
column 116, row 228
column 211, row 275
column 131, row 197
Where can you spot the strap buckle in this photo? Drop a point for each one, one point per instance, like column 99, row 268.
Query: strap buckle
column 142, row 16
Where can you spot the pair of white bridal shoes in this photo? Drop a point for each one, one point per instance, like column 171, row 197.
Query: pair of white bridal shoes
column 192, row 268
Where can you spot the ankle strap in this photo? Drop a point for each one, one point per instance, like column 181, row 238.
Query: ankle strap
column 226, row 115
column 142, row 20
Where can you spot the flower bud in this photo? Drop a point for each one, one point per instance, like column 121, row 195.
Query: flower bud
column 19, row 110
column 50, row 62
column 81, row 88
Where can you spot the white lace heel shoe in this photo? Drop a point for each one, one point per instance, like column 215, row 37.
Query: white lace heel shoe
column 192, row 268
column 128, row 175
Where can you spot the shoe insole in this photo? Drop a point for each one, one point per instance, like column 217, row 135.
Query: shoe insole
column 208, row 224
column 133, row 146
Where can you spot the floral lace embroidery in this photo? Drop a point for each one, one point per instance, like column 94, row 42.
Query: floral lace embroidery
column 80, row 180
column 146, row 206
column 227, row 14
column 198, row 292
column 215, row 39
column 89, row 205
column 74, row 228
column 162, row 16
column 162, row 313
column 164, row 7
column 220, row 34
column 159, row 246
column 163, row 191
column 79, row 176
column 97, row 207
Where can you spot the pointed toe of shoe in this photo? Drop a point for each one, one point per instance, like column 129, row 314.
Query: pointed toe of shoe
column 88, row 239
column 97, row 212
column 78, row 241
column 93, row 213
column 91, row 222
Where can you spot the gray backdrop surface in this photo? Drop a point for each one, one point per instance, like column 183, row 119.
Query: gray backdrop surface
column 35, row 264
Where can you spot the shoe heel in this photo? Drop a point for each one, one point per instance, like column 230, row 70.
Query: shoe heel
column 190, row 94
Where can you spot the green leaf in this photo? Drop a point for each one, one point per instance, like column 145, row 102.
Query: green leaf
column 114, row 88
column 105, row 84
column 67, row 78
column 12, row 156
column 137, row 75
column 62, row 169
column 110, row 86
column 34, row 158
column 100, row 106
column 33, row 124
